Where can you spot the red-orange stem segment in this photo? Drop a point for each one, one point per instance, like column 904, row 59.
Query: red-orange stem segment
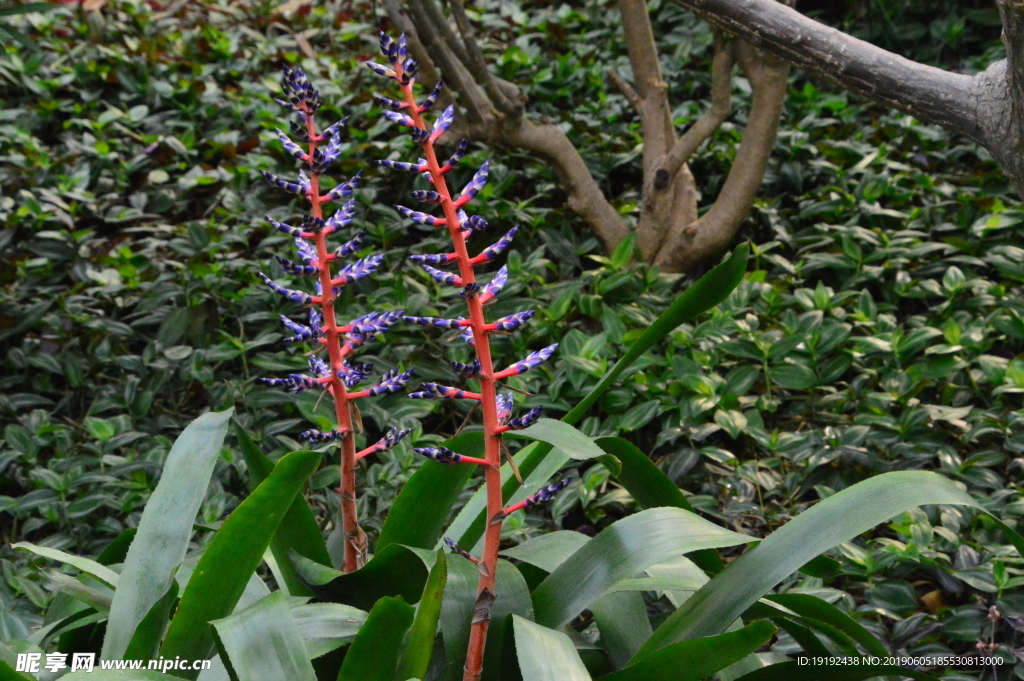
column 355, row 548
column 488, row 392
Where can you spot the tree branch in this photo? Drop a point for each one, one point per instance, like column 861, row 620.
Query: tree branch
column 478, row 67
column 721, row 105
column 925, row 92
column 625, row 88
column 584, row 194
column 686, row 245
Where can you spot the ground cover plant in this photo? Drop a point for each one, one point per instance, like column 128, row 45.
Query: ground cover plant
column 873, row 328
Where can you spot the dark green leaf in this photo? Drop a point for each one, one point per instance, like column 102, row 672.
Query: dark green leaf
column 374, row 654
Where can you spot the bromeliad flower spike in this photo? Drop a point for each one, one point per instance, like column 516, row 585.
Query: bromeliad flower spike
column 338, row 376
column 497, row 408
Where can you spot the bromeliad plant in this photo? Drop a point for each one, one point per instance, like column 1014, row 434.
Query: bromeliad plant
column 476, row 330
column 338, row 375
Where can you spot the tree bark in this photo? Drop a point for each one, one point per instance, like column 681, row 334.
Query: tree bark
column 987, row 108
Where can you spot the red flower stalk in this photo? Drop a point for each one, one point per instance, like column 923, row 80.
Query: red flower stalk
column 341, row 341
column 476, row 330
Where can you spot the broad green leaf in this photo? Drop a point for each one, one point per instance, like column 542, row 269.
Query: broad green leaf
column 374, row 655
column 298, row 529
column 562, row 437
column 145, row 641
column 92, row 567
column 699, row 658
column 656, row 584
column 420, row 644
column 327, row 626
column 262, row 642
column 621, row 617
column 164, row 529
column 813, row 608
column 619, row 552
column 117, row 550
column 231, row 559
column 394, row 571
column 421, row 510
column 792, row 671
column 652, row 488
column 545, row 654
column 704, row 294
column 548, row 551
column 828, row 523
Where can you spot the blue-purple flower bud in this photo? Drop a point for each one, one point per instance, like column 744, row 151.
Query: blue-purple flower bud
column 494, row 287
column 499, row 246
column 514, row 321
column 468, row 370
column 526, row 420
column 436, row 322
column 531, row 361
column 431, row 99
column 439, row 454
column 295, row 296
column 426, row 196
column 443, row 277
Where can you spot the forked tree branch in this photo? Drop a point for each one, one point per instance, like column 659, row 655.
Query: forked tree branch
column 478, row 67
column 925, row 92
column 721, row 105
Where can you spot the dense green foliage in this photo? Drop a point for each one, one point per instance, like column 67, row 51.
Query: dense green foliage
column 877, row 328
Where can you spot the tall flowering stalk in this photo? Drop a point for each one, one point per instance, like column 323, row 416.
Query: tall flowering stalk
column 338, row 376
column 497, row 408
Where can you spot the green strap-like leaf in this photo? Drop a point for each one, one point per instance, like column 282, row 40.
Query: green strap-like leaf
column 164, row 529
column 92, row 567
column 704, row 294
column 421, row 510
column 828, row 523
column 814, row 608
column 621, row 618
column 619, row 552
column 327, row 626
column 394, row 571
column 652, row 488
column 231, row 559
column 262, row 642
column 697, row 659
column 298, row 529
column 146, row 640
column 374, row 654
column 562, row 437
column 545, row 654
column 550, row 550
column 424, row 627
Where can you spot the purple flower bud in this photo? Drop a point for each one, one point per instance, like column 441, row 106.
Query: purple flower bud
column 300, row 188
column 342, row 217
column 434, row 258
column 439, row 454
column 353, row 374
column 403, row 46
column 392, row 438
column 470, row 290
column 302, row 333
column 443, row 277
column 296, row 269
column 494, row 287
column 380, row 70
column 293, row 383
column 546, row 493
column 433, row 391
column 400, row 118
column 471, row 224
column 391, row 382
column 526, row 420
column 403, row 166
column 388, row 47
column 503, row 402
column 287, row 229
column 334, row 129
column 289, row 146
column 351, row 246
column 436, row 322
column 316, row 437
column 431, row 99
column 532, row 360
column 305, row 252
column 345, row 189
column 443, row 122
column 514, row 321
column 358, row 270
column 318, row 367
column 467, row 336
column 417, row 216
column 295, row 296
column 459, row 550
column 478, row 182
column 426, row 196
column 419, row 136
column 389, row 103
column 469, row 370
